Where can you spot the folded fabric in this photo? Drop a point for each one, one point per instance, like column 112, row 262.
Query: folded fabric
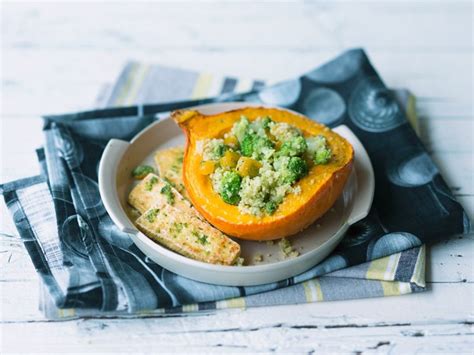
column 88, row 266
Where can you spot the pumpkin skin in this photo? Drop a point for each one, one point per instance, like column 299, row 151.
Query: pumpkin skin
column 319, row 189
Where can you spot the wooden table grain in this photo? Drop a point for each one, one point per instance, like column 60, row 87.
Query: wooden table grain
column 56, row 56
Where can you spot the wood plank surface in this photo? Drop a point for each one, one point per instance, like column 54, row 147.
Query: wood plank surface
column 55, row 58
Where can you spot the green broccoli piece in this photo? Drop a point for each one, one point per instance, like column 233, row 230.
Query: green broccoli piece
column 230, row 187
column 254, row 145
column 214, row 149
column 219, row 150
column 260, row 125
column 246, row 146
column 240, row 128
column 293, row 147
column 266, row 122
column 318, row 149
column 298, row 167
column 295, row 170
column 259, row 146
column 141, row 171
column 322, row 156
column 271, row 207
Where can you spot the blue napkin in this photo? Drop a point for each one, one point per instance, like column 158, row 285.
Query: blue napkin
column 88, row 266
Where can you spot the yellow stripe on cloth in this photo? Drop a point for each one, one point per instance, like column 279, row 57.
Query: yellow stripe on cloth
column 202, row 86
column 191, row 307
column 383, row 268
column 418, row 276
column 137, row 81
column 66, row 312
column 125, row 88
column 238, row 302
column 395, row 288
column 411, row 113
column 391, row 288
column 312, row 291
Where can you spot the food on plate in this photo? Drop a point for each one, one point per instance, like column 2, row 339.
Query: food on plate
column 287, row 249
column 260, row 173
column 188, row 235
column 169, row 219
column 153, row 190
column 170, row 166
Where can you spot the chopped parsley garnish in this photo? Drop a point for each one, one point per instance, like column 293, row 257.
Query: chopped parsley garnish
column 166, row 190
column 178, row 227
column 201, row 238
column 169, row 182
column 150, row 183
column 151, row 215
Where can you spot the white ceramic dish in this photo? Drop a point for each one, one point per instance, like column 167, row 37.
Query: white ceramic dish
column 314, row 243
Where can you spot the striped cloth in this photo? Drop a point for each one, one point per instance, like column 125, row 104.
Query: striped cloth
column 141, row 83
column 103, row 273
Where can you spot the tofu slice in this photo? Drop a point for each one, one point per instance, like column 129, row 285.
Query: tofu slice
column 175, row 223
column 170, row 167
column 186, row 234
column 149, row 193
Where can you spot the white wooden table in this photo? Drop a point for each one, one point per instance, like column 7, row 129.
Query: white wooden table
column 57, row 56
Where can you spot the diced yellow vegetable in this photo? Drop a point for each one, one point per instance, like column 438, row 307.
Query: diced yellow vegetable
column 207, row 167
column 271, row 136
column 248, row 167
column 229, row 160
column 232, row 141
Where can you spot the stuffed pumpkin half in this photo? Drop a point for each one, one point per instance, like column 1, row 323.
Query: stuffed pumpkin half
column 262, row 173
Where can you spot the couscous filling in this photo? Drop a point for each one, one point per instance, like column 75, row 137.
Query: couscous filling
column 257, row 163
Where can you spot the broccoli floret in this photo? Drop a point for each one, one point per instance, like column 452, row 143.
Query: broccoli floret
column 214, row 149
column 315, row 143
column 230, row 187
column 261, row 125
column 260, row 145
column 246, row 146
column 141, row 171
column 254, row 146
column 296, row 169
column 266, row 122
column 293, row 147
column 219, row 150
column 318, row 149
column 270, row 207
column 322, row 156
column 240, row 128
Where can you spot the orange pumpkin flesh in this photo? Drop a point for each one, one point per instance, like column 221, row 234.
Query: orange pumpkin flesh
column 319, row 189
